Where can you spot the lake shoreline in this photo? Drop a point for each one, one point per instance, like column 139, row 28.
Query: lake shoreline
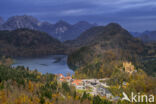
column 54, row 64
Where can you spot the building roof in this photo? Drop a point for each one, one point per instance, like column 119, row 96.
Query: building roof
column 68, row 77
column 63, row 78
column 77, row 82
column 60, row 75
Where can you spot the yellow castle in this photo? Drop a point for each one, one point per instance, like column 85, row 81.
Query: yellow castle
column 129, row 67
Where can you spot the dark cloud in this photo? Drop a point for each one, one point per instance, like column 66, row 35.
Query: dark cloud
column 135, row 15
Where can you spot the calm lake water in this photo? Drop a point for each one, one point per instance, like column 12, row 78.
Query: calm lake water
column 50, row 64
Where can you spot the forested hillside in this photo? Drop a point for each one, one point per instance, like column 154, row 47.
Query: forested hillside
column 23, row 86
column 25, row 42
column 103, row 49
column 100, row 52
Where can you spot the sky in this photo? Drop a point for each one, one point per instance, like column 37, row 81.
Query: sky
column 134, row 15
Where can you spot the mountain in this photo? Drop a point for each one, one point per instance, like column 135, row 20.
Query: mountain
column 111, row 33
column 136, row 34
column 45, row 27
column 25, row 42
column 60, row 30
column 18, row 22
column 1, row 21
column 147, row 36
column 65, row 31
column 102, row 49
column 75, row 30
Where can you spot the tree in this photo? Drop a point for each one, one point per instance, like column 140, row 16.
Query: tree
column 96, row 100
column 65, row 87
column 42, row 100
column 84, row 97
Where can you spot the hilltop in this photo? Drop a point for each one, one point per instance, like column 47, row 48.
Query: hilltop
column 25, row 42
column 102, row 49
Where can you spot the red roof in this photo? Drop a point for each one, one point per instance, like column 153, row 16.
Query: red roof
column 60, row 75
column 77, row 82
column 68, row 77
column 62, row 78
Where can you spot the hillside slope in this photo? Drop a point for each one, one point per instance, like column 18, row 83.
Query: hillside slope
column 24, row 42
column 102, row 49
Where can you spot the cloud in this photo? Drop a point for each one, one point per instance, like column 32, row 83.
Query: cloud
column 126, row 12
column 75, row 12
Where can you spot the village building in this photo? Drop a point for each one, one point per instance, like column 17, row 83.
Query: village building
column 104, row 92
column 62, row 78
column 59, row 76
column 78, row 84
column 93, row 86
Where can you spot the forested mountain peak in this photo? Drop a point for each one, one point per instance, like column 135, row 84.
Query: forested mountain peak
column 25, row 42
column 106, row 47
column 112, row 32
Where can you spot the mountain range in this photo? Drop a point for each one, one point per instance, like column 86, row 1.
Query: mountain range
column 147, row 36
column 1, row 21
column 60, row 30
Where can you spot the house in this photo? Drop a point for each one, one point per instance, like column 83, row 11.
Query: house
column 67, row 79
column 80, row 87
column 78, row 84
column 62, row 78
column 93, row 83
column 104, row 92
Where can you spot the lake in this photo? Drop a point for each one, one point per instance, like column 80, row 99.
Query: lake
column 50, row 64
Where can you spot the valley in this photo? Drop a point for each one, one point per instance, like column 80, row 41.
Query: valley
column 97, row 66
column 77, row 52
